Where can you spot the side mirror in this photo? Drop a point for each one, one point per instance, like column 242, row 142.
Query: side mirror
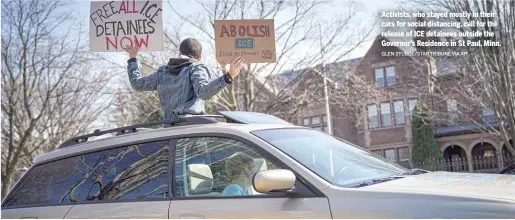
column 272, row 181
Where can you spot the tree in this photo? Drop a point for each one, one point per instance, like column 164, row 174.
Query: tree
column 424, row 142
column 49, row 92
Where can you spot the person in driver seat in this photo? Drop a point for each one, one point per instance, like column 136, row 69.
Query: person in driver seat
column 240, row 170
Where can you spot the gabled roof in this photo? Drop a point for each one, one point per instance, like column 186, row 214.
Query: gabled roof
column 336, row 73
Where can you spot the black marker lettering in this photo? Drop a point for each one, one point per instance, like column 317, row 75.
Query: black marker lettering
column 100, row 15
column 93, row 19
column 144, row 26
column 148, row 10
column 144, row 6
column 155, row 14
column 139, row 26
column 151, row 27
column 120, row 26
column 105, row 10
column 101, row 28
column 112, row 8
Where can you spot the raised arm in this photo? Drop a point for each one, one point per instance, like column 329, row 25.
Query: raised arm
column 138, row 82
column 203, row 85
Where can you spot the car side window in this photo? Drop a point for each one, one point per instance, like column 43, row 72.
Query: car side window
column 131, row 172
column 215, row 166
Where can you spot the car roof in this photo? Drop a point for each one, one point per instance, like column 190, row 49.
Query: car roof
column 155, row 135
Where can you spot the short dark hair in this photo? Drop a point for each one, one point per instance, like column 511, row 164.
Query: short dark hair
column 235, row 164
column 191, row 47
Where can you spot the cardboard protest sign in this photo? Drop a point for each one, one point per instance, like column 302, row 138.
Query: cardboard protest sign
column 254, row 40
column 113, row 25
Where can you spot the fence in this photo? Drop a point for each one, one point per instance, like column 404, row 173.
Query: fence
column 474, row 164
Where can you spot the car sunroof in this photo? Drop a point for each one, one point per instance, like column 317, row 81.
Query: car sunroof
column 253, row 118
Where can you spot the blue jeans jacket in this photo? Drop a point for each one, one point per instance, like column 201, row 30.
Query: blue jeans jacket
column 180, row 92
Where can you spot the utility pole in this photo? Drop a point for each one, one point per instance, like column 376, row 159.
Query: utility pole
column 327, row 109
column 326, row 93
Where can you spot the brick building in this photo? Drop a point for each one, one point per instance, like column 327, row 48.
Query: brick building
column 386, row 128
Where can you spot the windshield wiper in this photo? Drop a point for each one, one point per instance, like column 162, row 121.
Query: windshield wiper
column 377, row 180
column 415, row 171
column 411, row 172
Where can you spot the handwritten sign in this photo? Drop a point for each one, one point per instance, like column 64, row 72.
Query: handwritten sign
column 116, row 24
column 254, row 40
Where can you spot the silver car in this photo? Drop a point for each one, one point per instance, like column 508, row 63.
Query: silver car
column 250, row 166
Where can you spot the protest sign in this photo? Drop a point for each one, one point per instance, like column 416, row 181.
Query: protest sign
column 254, row 40
column 113, row 25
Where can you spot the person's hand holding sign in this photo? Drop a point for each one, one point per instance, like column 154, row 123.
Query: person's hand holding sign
column 235, row 67
column 133, row 51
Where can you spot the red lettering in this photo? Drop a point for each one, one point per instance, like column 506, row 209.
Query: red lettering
column 241, row 31
column 263, row 30
column 233, row 30
column 249, row 32
column 125, row 45
column 267, row 28
column 128, row 8
column 224, row 31
column 114, row 44
column 134, row 6
column 122, row 8
column 255, row 30
column 141, row 41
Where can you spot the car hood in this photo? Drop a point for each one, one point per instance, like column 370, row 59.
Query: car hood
column 458, row 184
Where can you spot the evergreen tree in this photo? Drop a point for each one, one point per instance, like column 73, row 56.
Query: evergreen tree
column 425, row 149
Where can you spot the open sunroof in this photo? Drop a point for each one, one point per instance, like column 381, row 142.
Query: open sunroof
column 253, row 118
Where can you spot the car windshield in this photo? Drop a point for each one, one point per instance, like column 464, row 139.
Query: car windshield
column 338, row 162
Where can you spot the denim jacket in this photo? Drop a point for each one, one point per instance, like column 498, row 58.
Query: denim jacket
column 180, row 92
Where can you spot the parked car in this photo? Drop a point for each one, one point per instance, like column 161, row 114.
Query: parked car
column 508, row 170
column 250, row 166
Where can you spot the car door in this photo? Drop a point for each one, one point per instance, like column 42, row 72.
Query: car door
column 212, row 180
column 123, row 182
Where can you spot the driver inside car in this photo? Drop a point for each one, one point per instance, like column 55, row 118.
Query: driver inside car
column 240, row 169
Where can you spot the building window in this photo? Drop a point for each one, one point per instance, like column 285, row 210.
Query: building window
column 452, row 110
column 315, row 120
column 325, row 129
column 488, row 115
column 378, row 152
column 390, row 76
column 386, row 115
column 398, row 109
column 411, row 105
column 324, row 119
column 379, row 76
column 305, row 122
column 385, row 76
column 389, row 154
column 372, row 116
